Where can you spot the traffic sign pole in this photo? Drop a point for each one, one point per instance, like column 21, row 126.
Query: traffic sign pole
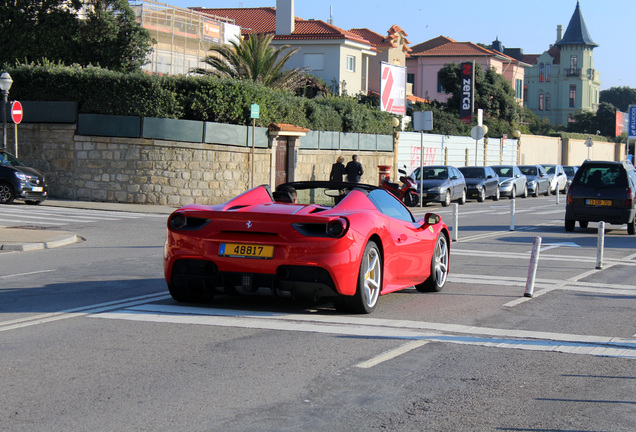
column 16, row 116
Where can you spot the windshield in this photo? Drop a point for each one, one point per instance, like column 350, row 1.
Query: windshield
column 9, row 159
column 529, row 170
column 569, row 171
column 549, row 169
column 473, row 172
column 505, row 171
column 431, row 173
column 603, row 177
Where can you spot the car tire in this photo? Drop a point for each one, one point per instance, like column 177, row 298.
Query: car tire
column 439, row 267
column 497, row 195
column 7, row 195
column 31, row 202
column 513, row 193
column 569, row 225
column 525, row 192
column 462, row 200
column 536, row 191
column 369, row 282
column 583, row 224
column 631, row 227
column 481, row 197
column 447, row 199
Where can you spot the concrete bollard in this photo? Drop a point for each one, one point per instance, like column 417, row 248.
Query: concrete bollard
column 532, row 269
column 512, row 214
column 455, row 221
column 557, row 193
column 600, row 245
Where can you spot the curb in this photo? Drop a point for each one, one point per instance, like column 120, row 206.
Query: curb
column 59, row 241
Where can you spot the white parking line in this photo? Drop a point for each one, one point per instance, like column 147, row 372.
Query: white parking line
column 389, row 355
column 381, row 329
column 76, row 312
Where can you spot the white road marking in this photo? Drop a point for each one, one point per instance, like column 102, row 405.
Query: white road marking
column 391, row 354
column 380, row 328
column 525, row 256
column 76, row 312
column 25, row 274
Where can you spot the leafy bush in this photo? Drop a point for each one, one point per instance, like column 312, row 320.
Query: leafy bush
column 222, row 100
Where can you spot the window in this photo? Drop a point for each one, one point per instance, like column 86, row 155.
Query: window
column 389, row 205
column 541, row 72
column 410, row 78
column 540, row 102
column 574, row 64
column 547, row 103
column 519, row 88
column 572, row 95
column 548, row 71
column 440, row 88
column 314, row 61
column 525, row 93
column 351, row 63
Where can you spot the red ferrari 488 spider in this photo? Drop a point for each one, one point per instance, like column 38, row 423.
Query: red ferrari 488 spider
column 349, row 241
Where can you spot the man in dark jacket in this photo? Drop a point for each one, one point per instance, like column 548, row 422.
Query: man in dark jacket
column 354, row 170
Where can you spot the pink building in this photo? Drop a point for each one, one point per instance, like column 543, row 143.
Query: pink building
column 426, row 60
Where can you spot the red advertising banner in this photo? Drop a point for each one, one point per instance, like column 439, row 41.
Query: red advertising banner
column 467, row 100
column 622, row 123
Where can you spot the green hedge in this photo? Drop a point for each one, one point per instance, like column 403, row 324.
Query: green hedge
column 100, row 91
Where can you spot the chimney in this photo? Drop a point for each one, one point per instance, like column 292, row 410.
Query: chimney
column 559, row 33
column 285, row 17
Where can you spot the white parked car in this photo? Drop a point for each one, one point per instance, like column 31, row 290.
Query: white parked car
column 558, row 178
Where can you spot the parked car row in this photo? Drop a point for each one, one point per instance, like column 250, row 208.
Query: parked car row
column 445, row 183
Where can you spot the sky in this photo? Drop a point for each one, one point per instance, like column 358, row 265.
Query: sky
column 530, row 25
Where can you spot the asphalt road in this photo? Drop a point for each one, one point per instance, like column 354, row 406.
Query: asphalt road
column 90, row 339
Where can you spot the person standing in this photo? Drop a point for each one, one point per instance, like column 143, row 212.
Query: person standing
column 337, row 170
column 354, row 170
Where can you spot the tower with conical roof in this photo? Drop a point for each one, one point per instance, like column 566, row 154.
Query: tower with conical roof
column 563, row 82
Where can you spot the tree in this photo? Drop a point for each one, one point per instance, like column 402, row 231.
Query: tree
column 255, row 59
column 98, row 32
column 112, row 38
column 493, row 93
column 620, row 97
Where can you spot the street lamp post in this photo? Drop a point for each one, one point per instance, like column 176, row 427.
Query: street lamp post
column 5, row 85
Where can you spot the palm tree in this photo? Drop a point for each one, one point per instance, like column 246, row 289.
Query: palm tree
column 256, row 60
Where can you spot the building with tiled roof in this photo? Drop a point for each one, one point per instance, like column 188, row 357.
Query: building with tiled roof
column 428, row 58
column 392, row 48
column 562, row 81
column 338, row 56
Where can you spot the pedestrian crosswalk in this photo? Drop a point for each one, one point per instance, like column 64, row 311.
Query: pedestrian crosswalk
column 41, row 216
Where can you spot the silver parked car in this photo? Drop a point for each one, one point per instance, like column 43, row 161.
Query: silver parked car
column 537, row 179
column 512, row 182
column 558, row 179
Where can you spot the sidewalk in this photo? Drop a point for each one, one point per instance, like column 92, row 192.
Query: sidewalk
column 26, row 239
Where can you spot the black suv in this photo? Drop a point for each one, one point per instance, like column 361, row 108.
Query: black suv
column 19, row 181
column 602, row 191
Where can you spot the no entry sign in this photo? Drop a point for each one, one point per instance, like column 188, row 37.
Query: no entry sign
column 16, row 112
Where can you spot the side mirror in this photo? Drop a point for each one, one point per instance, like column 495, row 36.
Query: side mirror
column 431, row 219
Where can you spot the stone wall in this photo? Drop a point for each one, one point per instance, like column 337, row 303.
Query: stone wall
column 148, row 171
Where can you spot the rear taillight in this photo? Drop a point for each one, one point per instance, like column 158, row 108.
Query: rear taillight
column 569, row 196
column 629, row 199
column 337, row 228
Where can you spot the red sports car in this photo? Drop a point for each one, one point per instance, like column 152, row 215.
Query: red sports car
column 349, row 241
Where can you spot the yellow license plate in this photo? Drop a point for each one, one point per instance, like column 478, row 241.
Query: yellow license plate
column 598, row 202
column 242, row 250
